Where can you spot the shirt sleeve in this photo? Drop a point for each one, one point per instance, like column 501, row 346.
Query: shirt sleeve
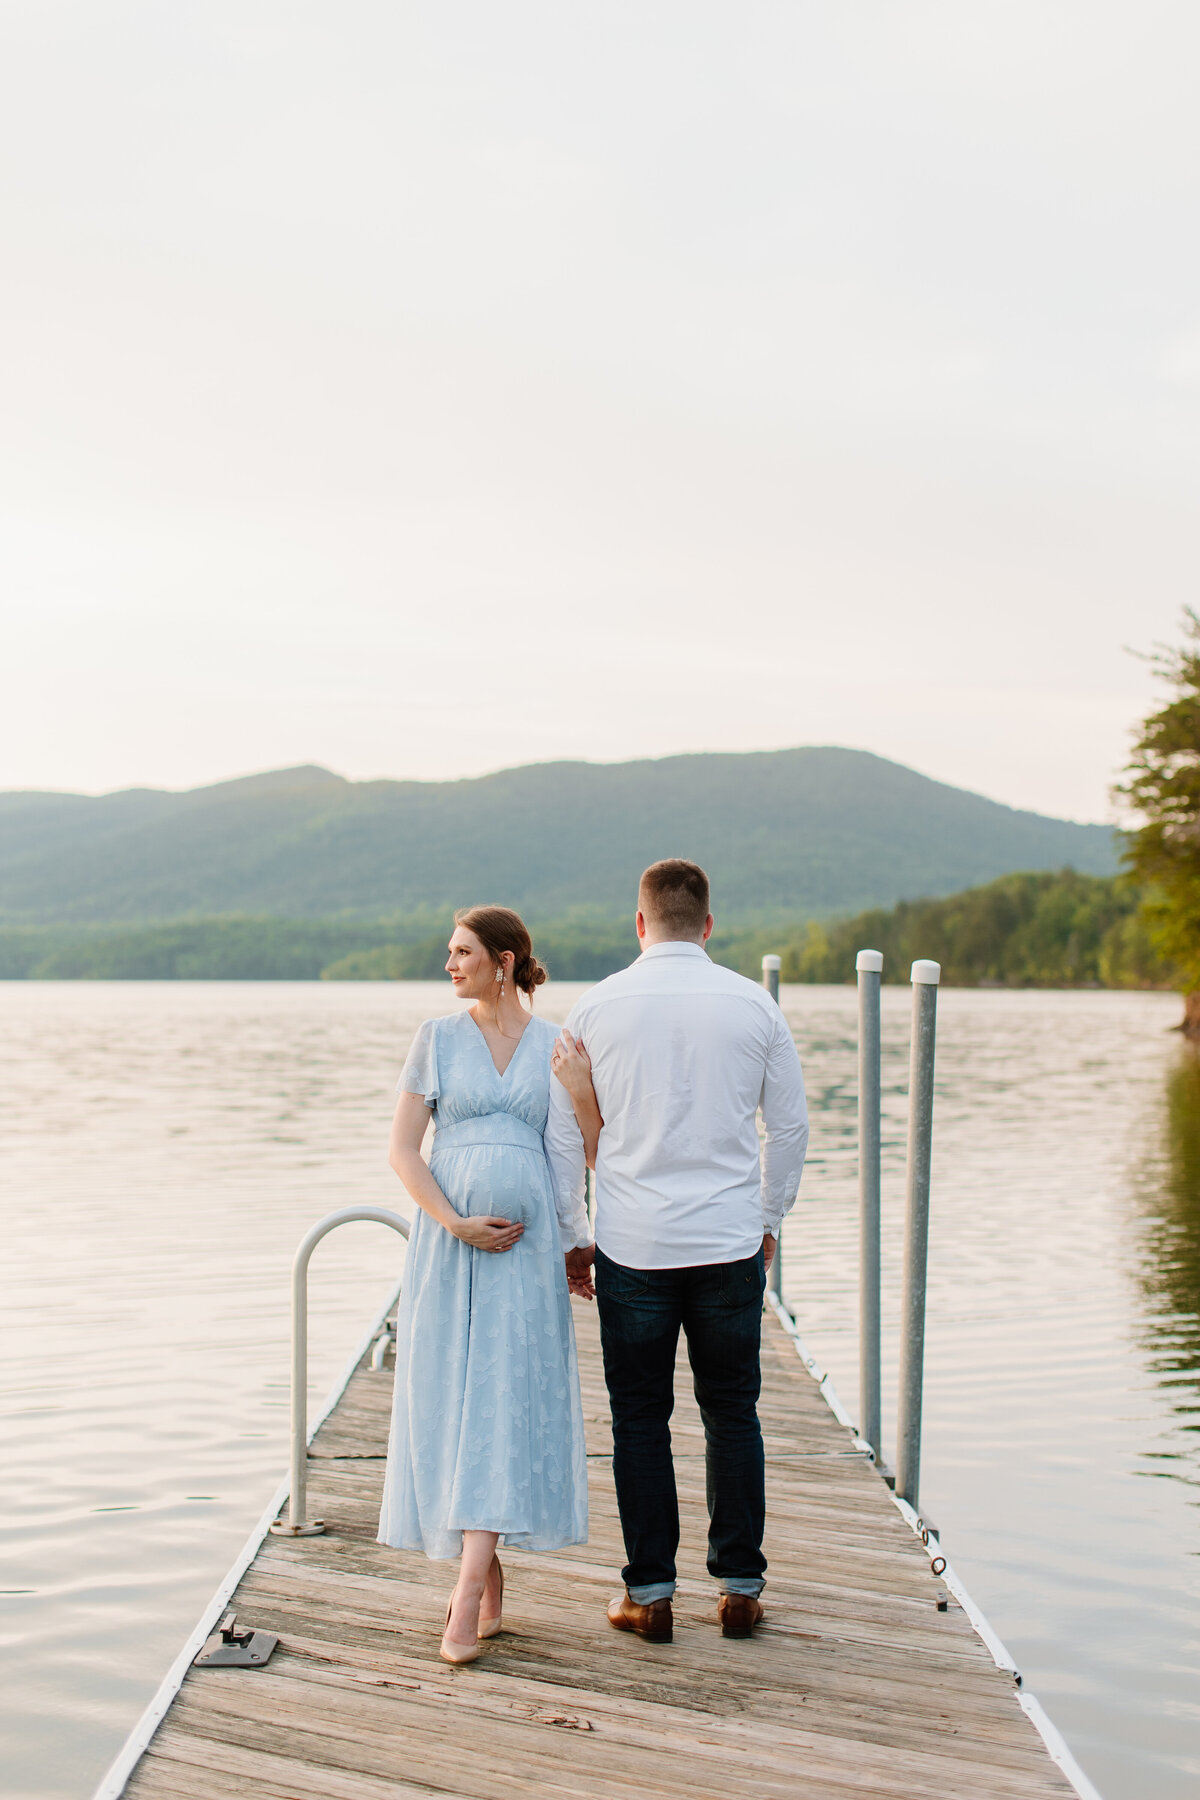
column 564, row 1153
column 420, row 1073
column 785, row 1126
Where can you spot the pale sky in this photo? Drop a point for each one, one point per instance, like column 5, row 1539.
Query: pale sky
column 424, row 388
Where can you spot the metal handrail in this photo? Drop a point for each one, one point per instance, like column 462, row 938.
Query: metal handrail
column 296, row 1525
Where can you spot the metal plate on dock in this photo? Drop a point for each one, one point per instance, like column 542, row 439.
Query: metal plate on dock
column 229, row 1648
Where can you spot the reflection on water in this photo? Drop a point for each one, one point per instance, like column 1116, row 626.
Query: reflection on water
column 1168, row 1190
column 164, row 1147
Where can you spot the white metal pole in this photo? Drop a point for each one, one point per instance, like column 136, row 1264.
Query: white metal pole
column 925, row 978
column 770, row 980
column 297, row 1525
column 869, row 966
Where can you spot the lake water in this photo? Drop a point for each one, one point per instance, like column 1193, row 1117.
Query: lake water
column 164, row 1146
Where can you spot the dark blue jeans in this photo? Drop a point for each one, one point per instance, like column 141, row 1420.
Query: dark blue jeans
column 719, row 1306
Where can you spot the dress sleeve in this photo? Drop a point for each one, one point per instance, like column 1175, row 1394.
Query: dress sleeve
column 420, row 1072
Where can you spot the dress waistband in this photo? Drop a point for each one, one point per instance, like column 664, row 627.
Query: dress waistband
column 488, row 1128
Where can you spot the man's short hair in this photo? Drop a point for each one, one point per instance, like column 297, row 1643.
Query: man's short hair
column 673, row 895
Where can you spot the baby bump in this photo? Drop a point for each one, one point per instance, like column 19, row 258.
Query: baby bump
column 502, row 1181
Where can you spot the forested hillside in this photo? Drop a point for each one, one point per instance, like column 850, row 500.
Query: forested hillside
column 785, row 835
column 1027, row 930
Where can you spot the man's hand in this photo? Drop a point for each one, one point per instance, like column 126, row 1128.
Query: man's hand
column 769, row 1244
column 579, row 1271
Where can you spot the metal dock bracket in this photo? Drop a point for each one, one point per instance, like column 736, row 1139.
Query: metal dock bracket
column 229, row 1648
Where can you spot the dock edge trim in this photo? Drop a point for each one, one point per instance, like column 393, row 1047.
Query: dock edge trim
column 1056, row 1745
column 130, row 1754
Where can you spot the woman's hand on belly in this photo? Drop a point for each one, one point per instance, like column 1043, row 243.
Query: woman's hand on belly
column 486, row 1233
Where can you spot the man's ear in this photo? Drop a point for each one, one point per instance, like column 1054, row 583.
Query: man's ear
column 708, row 925
column 640, row 924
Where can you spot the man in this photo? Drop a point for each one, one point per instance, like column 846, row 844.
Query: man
column 683, row 1054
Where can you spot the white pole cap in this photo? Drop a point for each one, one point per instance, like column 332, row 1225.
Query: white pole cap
column 930, row 972
column 772, row 962
column 869, row 962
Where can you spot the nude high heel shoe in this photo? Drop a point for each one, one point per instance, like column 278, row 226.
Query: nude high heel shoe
column 457, row 1653
column 490, row 1628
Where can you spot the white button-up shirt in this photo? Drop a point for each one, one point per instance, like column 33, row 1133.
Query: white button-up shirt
column 684, row 1053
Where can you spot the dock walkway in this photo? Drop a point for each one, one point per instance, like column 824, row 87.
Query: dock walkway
column 856, row 1684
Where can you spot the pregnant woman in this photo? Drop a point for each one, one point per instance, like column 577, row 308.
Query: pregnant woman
column 487, row 1424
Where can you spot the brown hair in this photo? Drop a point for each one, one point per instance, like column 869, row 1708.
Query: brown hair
column 674, row 896
column 498, row 929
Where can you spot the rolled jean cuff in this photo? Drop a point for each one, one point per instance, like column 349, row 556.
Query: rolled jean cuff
column 742, row 1584
column 653, row 1590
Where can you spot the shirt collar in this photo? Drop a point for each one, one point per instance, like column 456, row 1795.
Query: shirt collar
column 673, row 947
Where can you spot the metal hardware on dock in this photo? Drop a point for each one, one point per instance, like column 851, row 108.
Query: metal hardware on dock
column 925, row 978
column 771, row 966
column 869, row 967
column 296, row 1525
column 383, row 1343
column 229, row 1648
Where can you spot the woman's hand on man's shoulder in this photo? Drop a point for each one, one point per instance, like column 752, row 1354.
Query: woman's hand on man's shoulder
column 571, row 1063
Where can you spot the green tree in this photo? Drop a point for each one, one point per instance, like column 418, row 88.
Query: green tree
column 1163, row 790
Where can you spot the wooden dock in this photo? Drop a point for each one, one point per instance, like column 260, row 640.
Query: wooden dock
column 856, row 1684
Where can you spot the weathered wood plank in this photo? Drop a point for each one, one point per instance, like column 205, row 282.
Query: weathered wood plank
column 524, row 1743
column 884, row 1709
column 855, row 1685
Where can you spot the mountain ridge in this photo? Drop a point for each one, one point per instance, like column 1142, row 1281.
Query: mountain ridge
column 811, row 831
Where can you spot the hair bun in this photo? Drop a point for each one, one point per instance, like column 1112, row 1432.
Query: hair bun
column 529, row 973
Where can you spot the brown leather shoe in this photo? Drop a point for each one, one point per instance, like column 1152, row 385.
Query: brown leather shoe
column 655, row 1622
column 738, row 1614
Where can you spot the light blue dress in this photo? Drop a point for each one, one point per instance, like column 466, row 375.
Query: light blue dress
column 487, row 1422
